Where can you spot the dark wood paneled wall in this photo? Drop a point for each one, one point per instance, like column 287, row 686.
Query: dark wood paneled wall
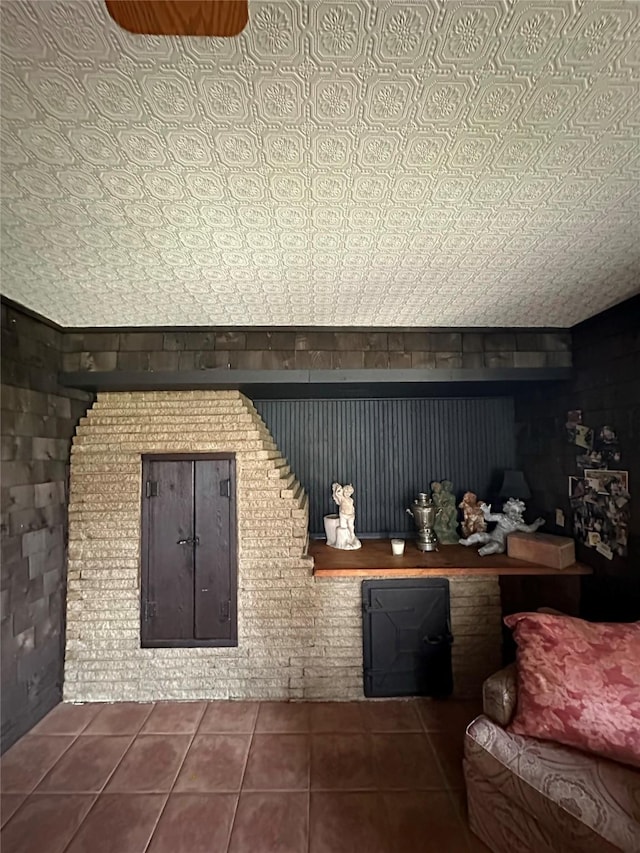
column 304, row 349
column 38, row 421
column 606, row 386
column 390, row 450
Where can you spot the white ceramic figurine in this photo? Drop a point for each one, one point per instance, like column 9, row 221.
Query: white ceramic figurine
column 340, row 529
column 508, row 522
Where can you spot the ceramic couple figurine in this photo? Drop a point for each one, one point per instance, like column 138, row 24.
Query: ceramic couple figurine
column 508, row 522
column 446, row 523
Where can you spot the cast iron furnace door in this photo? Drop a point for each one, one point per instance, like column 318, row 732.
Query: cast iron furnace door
column 189, row 571
column 407, row 637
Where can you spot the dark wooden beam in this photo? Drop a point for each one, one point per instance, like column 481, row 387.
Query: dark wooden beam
column 320, row 383
column 33, row 315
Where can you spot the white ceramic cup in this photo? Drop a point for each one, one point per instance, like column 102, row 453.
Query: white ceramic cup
column 397, row 547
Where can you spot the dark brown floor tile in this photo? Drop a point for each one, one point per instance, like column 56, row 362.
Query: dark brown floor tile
column 45, row 823
column 449, row 751
column 392, row 717
column 475, row 845
column 424, row 821
column 214, row 763
column 346, row 822
column 24, row 765
column 341, row 762
column 448, row 715
column 86, row 765
column 283, row 717
column 174, row 718
column 270, row 822
column 459, row 799
column 278, row 762
column 9, row 805
column 405, row 761
column 119, row 823
column 195, row 823
column 67, row 719
column 337, row 717
column 121, row 718
column 222, row 717
column 151, row 764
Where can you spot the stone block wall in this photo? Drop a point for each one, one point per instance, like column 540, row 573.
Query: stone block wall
column 104, row 660
column 298, row 636
column 310, row 349
column 334, row 669
column 38, row 421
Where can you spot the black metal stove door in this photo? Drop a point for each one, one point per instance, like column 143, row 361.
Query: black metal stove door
column 407, row 637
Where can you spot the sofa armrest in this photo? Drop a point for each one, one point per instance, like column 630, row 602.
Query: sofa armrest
column 499, row 695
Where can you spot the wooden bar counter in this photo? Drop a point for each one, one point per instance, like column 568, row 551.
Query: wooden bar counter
column 375, row 559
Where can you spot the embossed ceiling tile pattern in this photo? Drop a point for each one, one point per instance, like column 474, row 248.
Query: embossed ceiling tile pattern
column 357, row 163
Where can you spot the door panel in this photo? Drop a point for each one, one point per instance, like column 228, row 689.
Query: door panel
column 189, row 558
column 406, row 637
column 213, row 606
column 170, row 565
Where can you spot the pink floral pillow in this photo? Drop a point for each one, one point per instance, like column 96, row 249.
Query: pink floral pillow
column 579, row 683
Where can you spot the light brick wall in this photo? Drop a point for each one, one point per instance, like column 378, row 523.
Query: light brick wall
column 298, row 636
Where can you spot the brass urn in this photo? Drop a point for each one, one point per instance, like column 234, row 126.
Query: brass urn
column 424, row 514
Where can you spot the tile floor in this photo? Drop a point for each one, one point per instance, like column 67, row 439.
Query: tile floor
column 240, row 777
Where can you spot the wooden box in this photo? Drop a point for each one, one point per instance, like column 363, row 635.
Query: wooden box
column 557, row 552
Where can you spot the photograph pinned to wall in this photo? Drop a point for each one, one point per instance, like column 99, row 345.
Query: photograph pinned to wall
column 616, row 528
column 612, row 483
column 593, row 459
column 577, row 488
column 605, row 550
column 582, row 489
column 599, row 503
column 585, row 521
column 609, row 458
column 584, row 436
column 607, row 445
column 592, row 527
column 574, row 418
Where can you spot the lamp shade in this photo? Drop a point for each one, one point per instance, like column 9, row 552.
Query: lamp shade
column 514, row 485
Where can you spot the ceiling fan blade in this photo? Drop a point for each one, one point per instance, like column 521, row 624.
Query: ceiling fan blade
column 180, row 17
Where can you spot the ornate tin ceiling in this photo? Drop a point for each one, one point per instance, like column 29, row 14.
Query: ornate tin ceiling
column 356, row 163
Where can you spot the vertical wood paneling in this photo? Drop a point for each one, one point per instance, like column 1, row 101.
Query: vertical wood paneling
column 168, row 566
column 189, row 552
column 390, row 450
column 212, row 555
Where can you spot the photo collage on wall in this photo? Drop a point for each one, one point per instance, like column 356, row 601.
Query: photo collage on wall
column 599, row 493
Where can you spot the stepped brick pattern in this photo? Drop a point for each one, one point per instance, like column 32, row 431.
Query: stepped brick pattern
column 298, row 637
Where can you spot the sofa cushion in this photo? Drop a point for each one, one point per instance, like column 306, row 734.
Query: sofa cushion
column 504, row 826
column 575, row 798
column 499, row 694
column 579, row 683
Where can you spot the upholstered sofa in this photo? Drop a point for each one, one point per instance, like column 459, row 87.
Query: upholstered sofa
column 536, row 796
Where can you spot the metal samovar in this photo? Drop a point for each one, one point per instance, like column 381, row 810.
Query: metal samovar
column 424, row 514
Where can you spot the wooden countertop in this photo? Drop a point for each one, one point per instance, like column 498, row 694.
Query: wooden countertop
column 375, row 559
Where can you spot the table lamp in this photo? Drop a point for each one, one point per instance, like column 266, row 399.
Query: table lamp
column 514, row 485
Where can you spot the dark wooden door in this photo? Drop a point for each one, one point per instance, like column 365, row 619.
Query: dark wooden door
column 407, row 637
column 189, row 575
